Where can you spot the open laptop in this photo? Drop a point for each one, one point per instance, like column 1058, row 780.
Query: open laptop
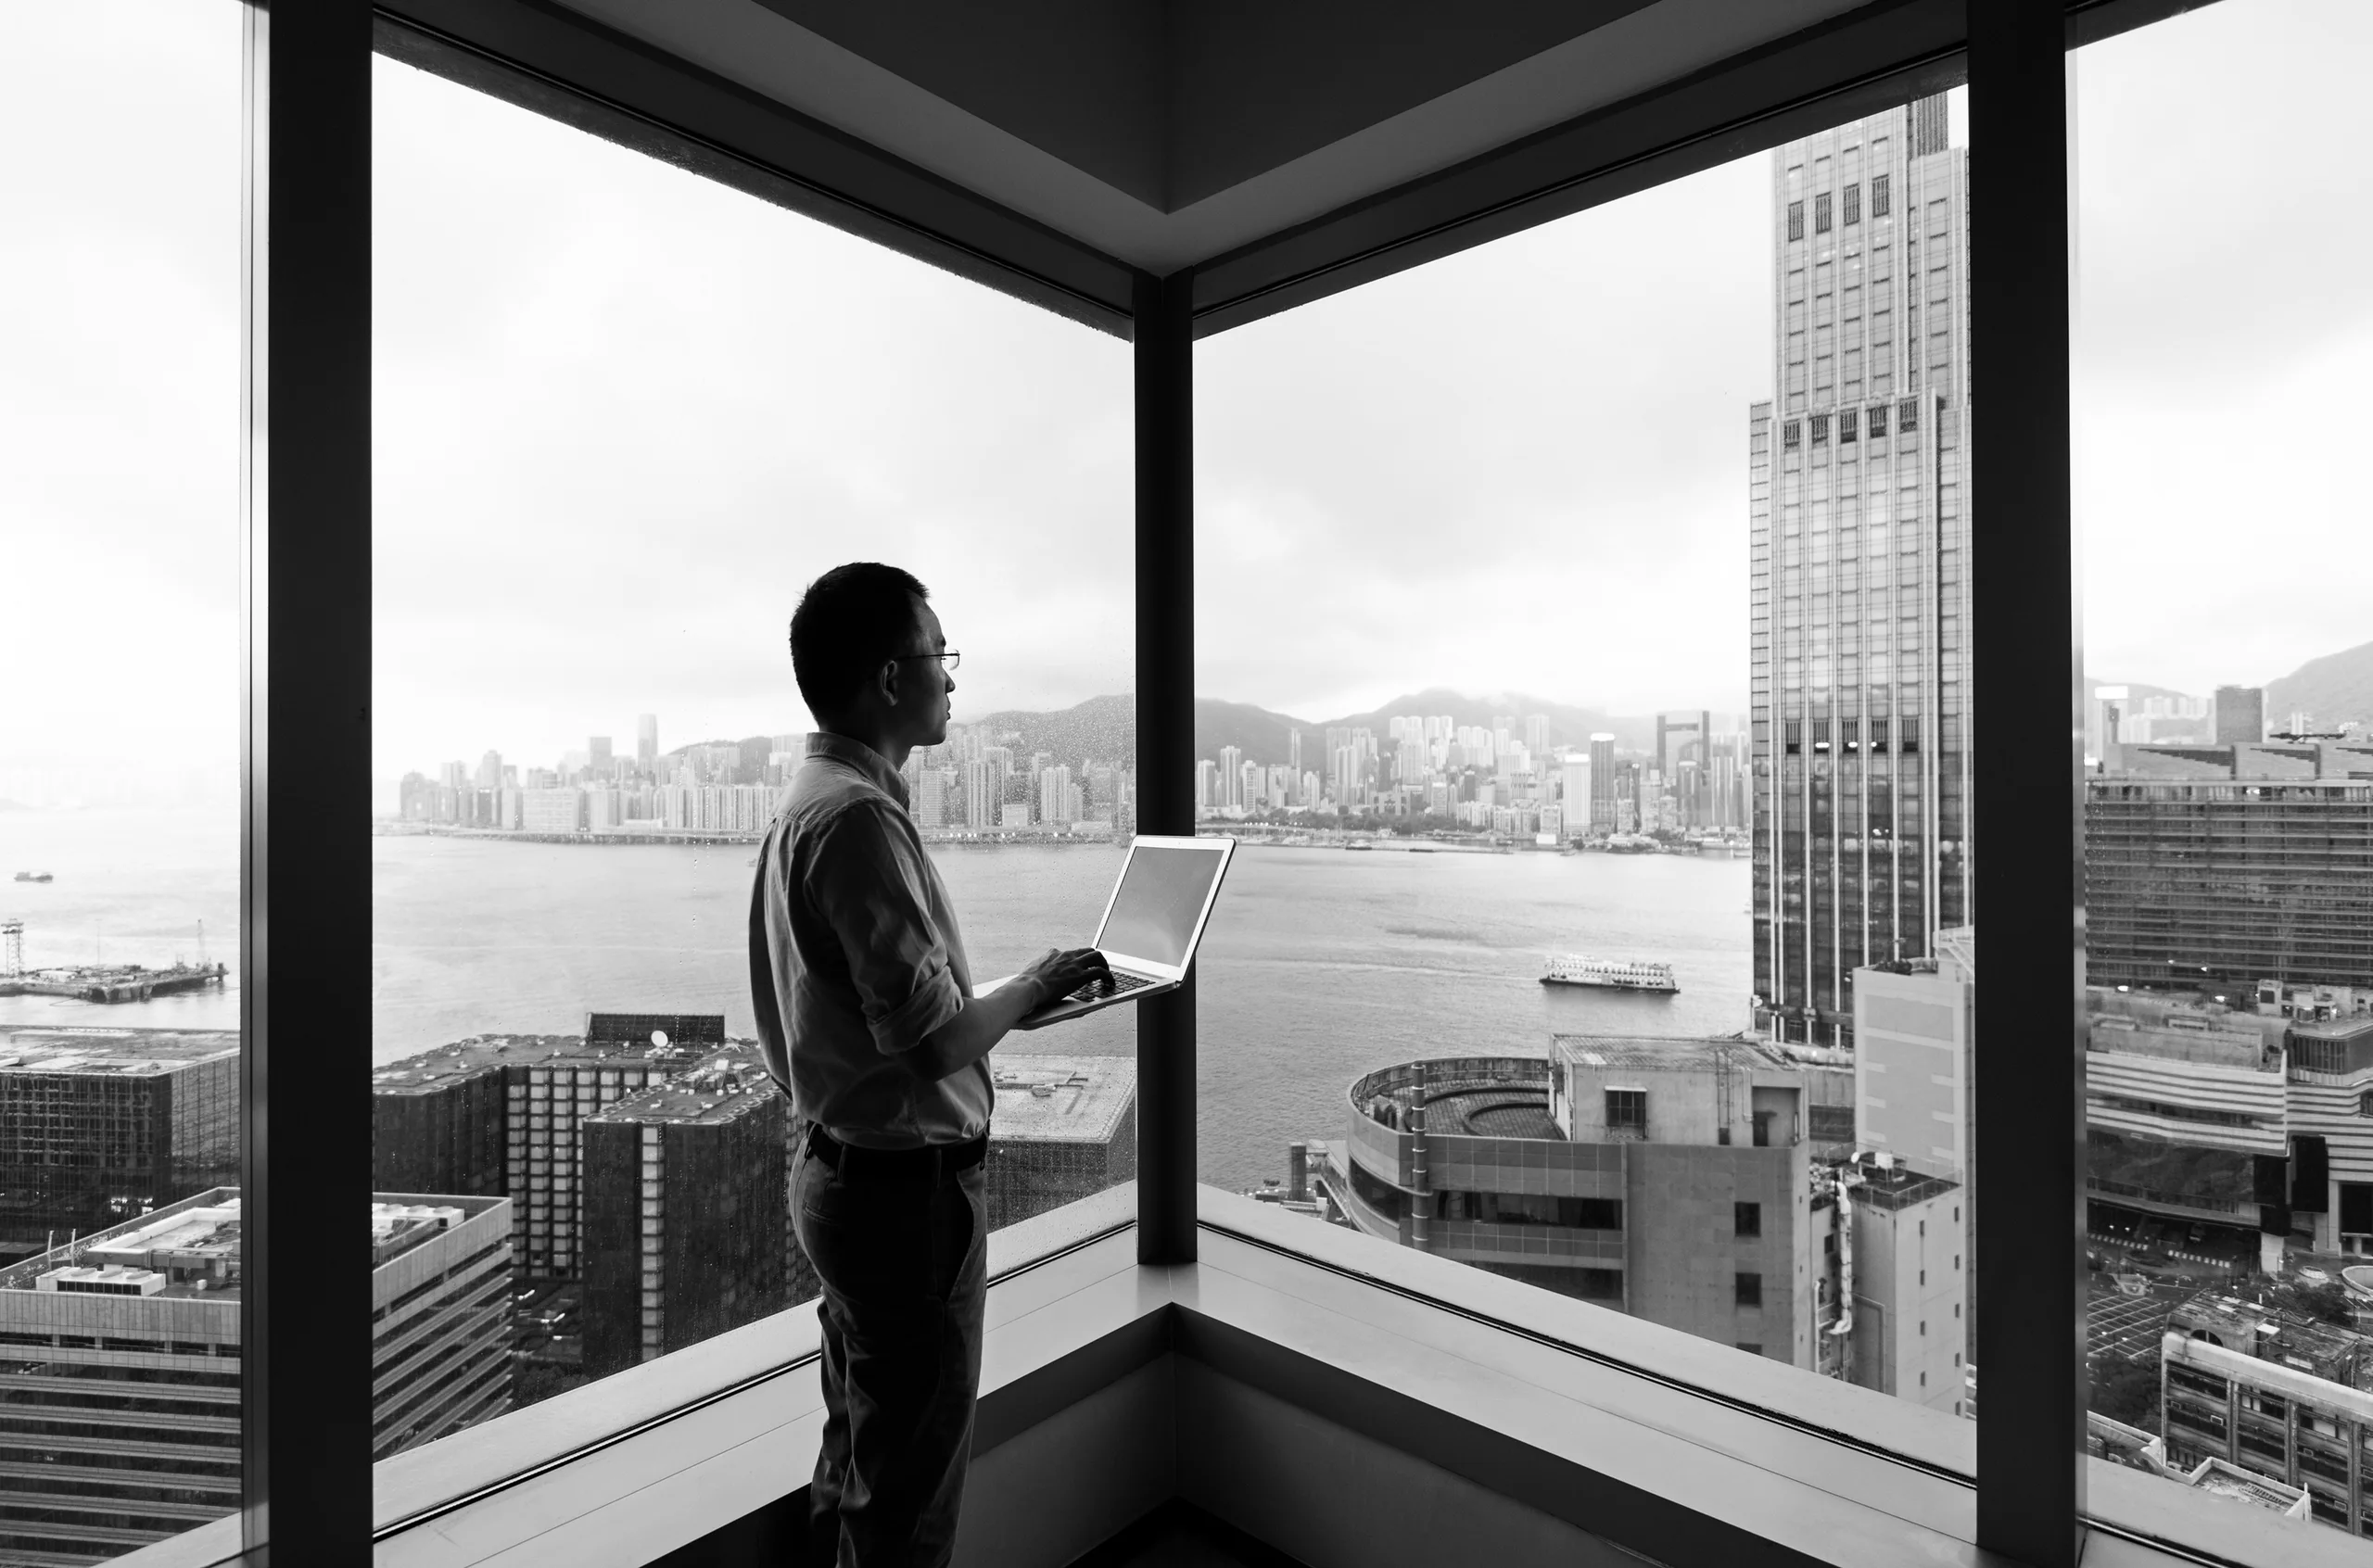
column 1151, row 924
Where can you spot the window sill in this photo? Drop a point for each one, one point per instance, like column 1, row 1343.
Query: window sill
column 1579, row 1418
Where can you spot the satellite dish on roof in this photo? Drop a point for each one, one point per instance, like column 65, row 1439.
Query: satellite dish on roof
column 659, row 1038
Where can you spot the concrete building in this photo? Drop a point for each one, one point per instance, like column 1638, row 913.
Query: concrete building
column 2216, row 867
column 1576, row 774
column 1602, row 784
column 686, row 1213
column 98, row 1125
column 1898, row 1283
column 1064, row 1128
column 1671, row 1179
column 2244, row 1131
column 1859, row 566
column 134, row 1332
column 1914, row 1064
column 553, row 811
column 2240, row 714
column 2276, row 1393
column 551, row 1085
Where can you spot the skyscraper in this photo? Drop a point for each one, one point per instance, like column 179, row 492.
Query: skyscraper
column 2240, row 714
column 1859, row 567
column 1231, row 775
column 1602, row 810
column 646, row 742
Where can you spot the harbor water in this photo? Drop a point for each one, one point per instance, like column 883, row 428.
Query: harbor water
column 1319, row 965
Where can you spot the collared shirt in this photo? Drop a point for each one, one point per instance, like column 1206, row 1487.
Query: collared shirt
column 854, row 957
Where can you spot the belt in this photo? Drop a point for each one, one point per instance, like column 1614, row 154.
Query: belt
column 929, row 1165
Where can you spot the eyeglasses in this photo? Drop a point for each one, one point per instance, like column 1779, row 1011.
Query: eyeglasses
column 948, row 660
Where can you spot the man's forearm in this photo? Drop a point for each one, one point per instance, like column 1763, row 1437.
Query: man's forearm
column 974, row 1032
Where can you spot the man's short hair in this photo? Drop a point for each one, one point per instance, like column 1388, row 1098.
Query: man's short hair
column 850, row 622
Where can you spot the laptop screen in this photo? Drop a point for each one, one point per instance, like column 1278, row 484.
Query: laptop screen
column 1161, row 893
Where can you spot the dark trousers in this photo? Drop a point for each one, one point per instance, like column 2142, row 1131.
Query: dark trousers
column 905, row 1273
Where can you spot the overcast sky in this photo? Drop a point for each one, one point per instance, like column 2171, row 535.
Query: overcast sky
column 624, row 415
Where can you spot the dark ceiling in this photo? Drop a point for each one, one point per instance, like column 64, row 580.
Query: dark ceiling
column 1171, row 102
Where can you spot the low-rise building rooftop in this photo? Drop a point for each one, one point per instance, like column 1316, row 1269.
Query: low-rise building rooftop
column 111, row 1052
column 1061, row 1099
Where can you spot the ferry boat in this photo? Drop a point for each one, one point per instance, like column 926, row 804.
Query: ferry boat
column 1613, row 974
column 34, row 877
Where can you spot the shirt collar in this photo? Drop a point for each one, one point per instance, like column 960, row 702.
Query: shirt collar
column 862, row 757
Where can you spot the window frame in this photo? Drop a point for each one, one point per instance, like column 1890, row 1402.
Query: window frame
column 306, row 592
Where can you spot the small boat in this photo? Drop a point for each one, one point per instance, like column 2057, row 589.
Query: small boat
column 1611, row 974
column 35, row 877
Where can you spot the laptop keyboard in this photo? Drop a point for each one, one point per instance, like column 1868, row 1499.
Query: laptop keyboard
column 1096, row 991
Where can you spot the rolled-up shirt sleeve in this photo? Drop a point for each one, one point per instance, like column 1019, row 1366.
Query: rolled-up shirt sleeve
column 863, row 880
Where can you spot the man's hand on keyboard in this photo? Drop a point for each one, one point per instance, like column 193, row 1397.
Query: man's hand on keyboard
column 1060, row 974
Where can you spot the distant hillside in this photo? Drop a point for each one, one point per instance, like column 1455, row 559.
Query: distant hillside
column 2335, row 690
column 1103, row 728
column 1100, row 729
column 1568, row 726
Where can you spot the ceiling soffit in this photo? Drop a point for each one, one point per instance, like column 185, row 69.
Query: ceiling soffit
column 759, row 47
column 1171, row 103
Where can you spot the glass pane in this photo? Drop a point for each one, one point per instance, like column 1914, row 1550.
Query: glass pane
column 624, row 416
column 1593, row 845
column 2228, row 817
column 120, row 400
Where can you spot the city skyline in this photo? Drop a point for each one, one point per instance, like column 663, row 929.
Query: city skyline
column 175, row 588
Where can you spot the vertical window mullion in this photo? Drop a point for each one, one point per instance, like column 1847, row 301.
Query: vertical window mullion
column 2026, row 822
column 1166, row 774
column 305, row 607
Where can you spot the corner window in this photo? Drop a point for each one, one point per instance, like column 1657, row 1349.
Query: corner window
column 624, row 520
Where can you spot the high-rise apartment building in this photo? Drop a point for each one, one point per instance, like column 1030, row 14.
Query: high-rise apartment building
column 982, row 795
column 1685, row 744
column 1578, row 796
column 1058, row 796
column 2217, row 867
column 1231, row 780
column 686, row 1213
column 98, row 1124
column 646, row 742
column 1859, row 567
column 552, row 1085
column 1601, row 817
column 1064, row 1128
column 2240, row 716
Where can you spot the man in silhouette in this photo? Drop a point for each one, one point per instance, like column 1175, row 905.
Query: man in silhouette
column 865, row 1010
